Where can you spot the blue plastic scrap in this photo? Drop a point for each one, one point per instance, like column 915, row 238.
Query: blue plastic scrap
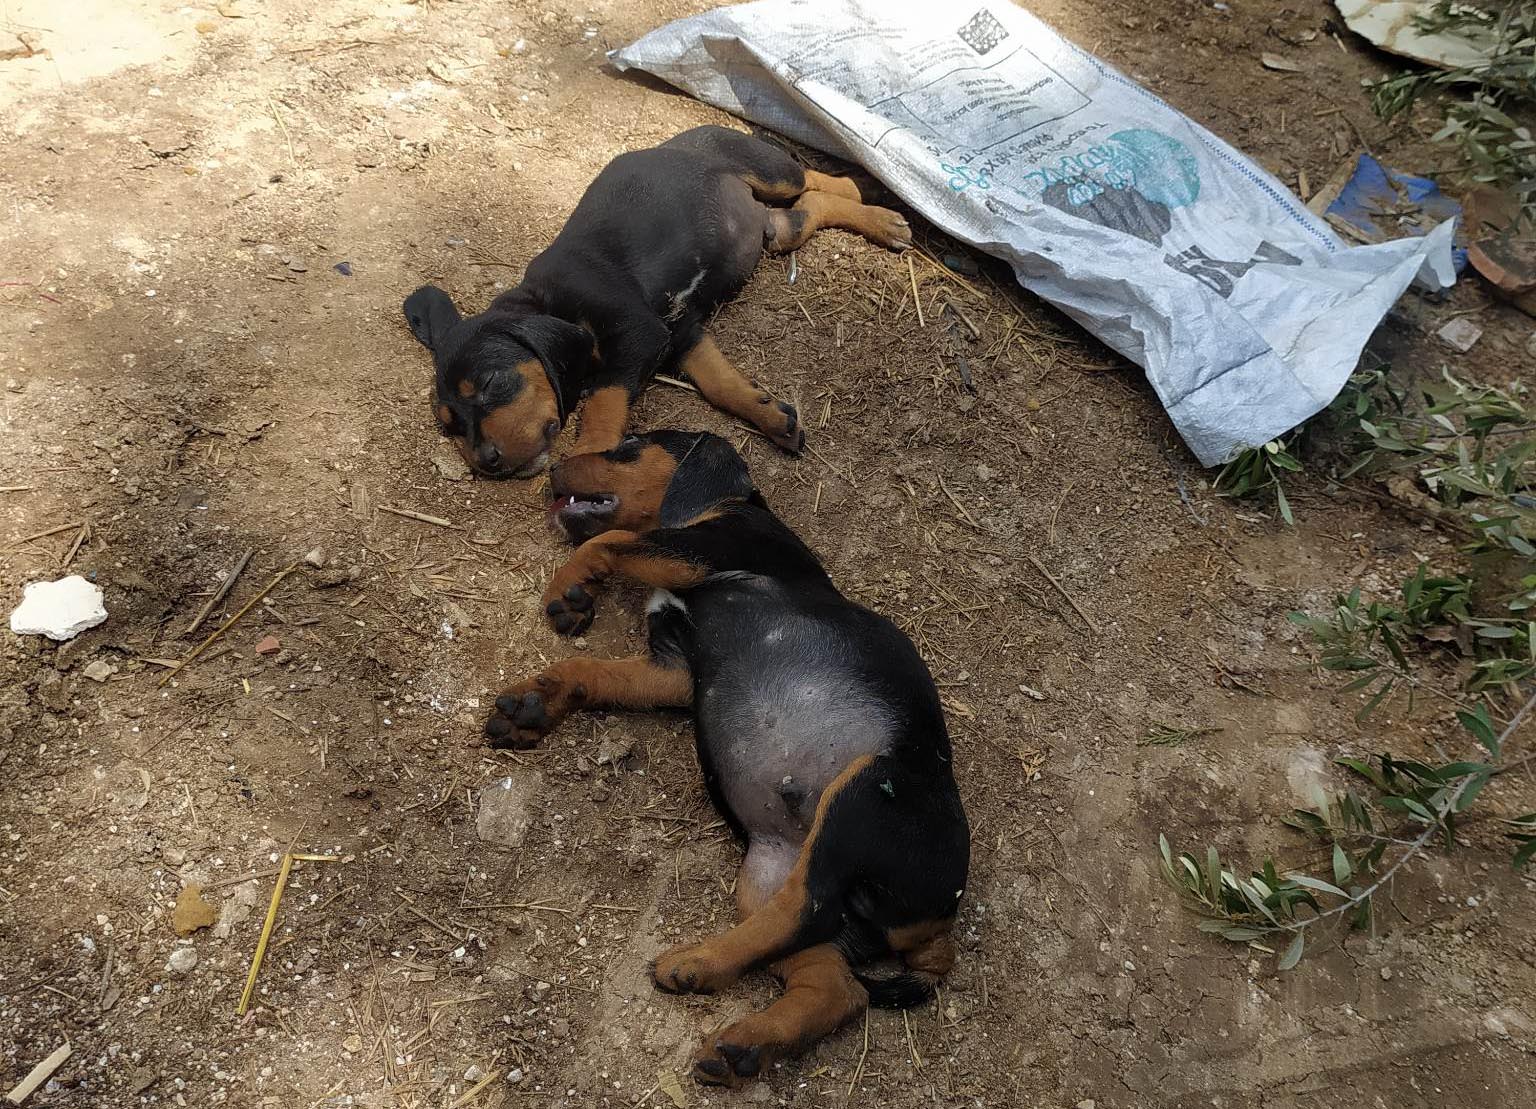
column 1382, row 204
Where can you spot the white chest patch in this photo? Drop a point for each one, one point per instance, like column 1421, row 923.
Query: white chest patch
column 677, row 303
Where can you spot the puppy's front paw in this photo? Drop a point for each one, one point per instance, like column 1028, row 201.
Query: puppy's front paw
column 780, row 421
column 888, row 229
column 691, row 968
column 571, row 612
column 529, row 711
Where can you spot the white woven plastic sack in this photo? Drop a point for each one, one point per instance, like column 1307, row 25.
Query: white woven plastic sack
column 1246, row 311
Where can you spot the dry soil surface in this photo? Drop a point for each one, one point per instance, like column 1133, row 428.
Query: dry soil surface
column 211, row 214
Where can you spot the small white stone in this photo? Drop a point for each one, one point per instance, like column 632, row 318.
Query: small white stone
column 59, row 609
column 182, row 960
column 473, row 1074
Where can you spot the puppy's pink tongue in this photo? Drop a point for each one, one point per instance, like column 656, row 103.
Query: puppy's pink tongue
column 559, row 504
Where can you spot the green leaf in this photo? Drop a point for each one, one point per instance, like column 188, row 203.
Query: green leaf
column 1238, row 934
column 1375, row 701
column 1525, row 854
column 1480, row 724
column 1468, row 795
column 1162, row 845
column 1316, row 884
column 1341, row 867
column 1292, row 954
column 1284, row 505
column 1213, row 871
column 1419, row 810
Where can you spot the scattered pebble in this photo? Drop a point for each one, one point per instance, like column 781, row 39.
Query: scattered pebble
column 1461, row 334
column 182, row 960
column 316, row 558
column 343, row 268
column 1386, row 974
column 99, row 670
column 268, row 646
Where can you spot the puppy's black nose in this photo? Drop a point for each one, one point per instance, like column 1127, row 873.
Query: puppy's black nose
column 488, row 456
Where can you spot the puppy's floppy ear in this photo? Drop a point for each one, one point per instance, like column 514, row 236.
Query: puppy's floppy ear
column 709, row 473
column 429, row 312
column 560, row 345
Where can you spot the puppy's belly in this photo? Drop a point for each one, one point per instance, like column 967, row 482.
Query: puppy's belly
column 779, row 726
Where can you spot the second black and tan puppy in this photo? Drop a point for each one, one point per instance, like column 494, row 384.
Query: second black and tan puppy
column 818, row 726
column 661, row 239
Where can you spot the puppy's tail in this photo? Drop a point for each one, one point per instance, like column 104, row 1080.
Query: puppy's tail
column 902, row 990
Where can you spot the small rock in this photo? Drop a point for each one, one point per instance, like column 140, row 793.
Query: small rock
column 343, row 268
column 173, row 856
column 1530, row 345
column 99, row 671
column 352, row 1044
column 1461, row 334
column 473, row 1074
column 182, row 960
column 503, row 817
column 1087, row 1103
column 559, row 1028
column 1386, row 974
column 965, row 404
column 316, row 558
column 615, row 747
column 448, row 463
column 297, row 266
column 59, row 609
column 336, row 575
column 515, row 1075
column 268, row 646
column 985, row 472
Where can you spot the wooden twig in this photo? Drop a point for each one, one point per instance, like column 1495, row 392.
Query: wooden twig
column 16, row 488
column 266, row 928
column 233, row 620
column 287, row 138
column 1077, row 608
column 223, row 591
column 39, row 1074
column 69, row 556
column 917, row 301
column 676, row 383
column 410, row 514
column 858, row 1072
column 474, row 1091
column 50, row 531
column 956, row 502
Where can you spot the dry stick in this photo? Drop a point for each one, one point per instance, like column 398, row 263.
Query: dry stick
column 287, row 138
column 863, row 1056
column 947, row 272
column 39, row 1074
column 50, row 531
column 956, row 503
column 233, row 620
column 266, row 927
column 676, row 383
column 223, row 591
column 422, row 516
column 474, row 1091
column 16, row 488
column 917, row 301
column 1038, row 565
column 85, row 531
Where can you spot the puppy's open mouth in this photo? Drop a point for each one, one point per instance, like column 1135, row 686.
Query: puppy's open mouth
column 576, row 510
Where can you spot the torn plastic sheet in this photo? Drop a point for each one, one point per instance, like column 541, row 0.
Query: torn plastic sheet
column 1377, row 203
column 1247, row 312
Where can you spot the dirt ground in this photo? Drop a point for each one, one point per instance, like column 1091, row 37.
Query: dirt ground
column 188, row 374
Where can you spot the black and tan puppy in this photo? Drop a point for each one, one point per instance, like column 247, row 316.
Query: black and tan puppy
column 819, row 731
column 660, row 240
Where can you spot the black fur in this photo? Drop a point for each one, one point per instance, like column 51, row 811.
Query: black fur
column 656, row 244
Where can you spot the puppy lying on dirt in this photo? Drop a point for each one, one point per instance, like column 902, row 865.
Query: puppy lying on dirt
column 660, row 240
column 819, row 731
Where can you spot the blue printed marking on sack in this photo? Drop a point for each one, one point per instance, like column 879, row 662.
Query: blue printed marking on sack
column 963, row 177
column 1155, row 165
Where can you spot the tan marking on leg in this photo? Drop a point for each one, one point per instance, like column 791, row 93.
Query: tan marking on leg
column 723, row 385
column 713, row 964
column 880, row 226
column 820, row 995
column 774, row 190
column 568, row 596
column 531, row 709
column 604, row 416
column 837, row 186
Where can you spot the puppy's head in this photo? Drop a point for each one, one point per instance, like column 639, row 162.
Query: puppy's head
column 499, row 378
column 660, row 479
